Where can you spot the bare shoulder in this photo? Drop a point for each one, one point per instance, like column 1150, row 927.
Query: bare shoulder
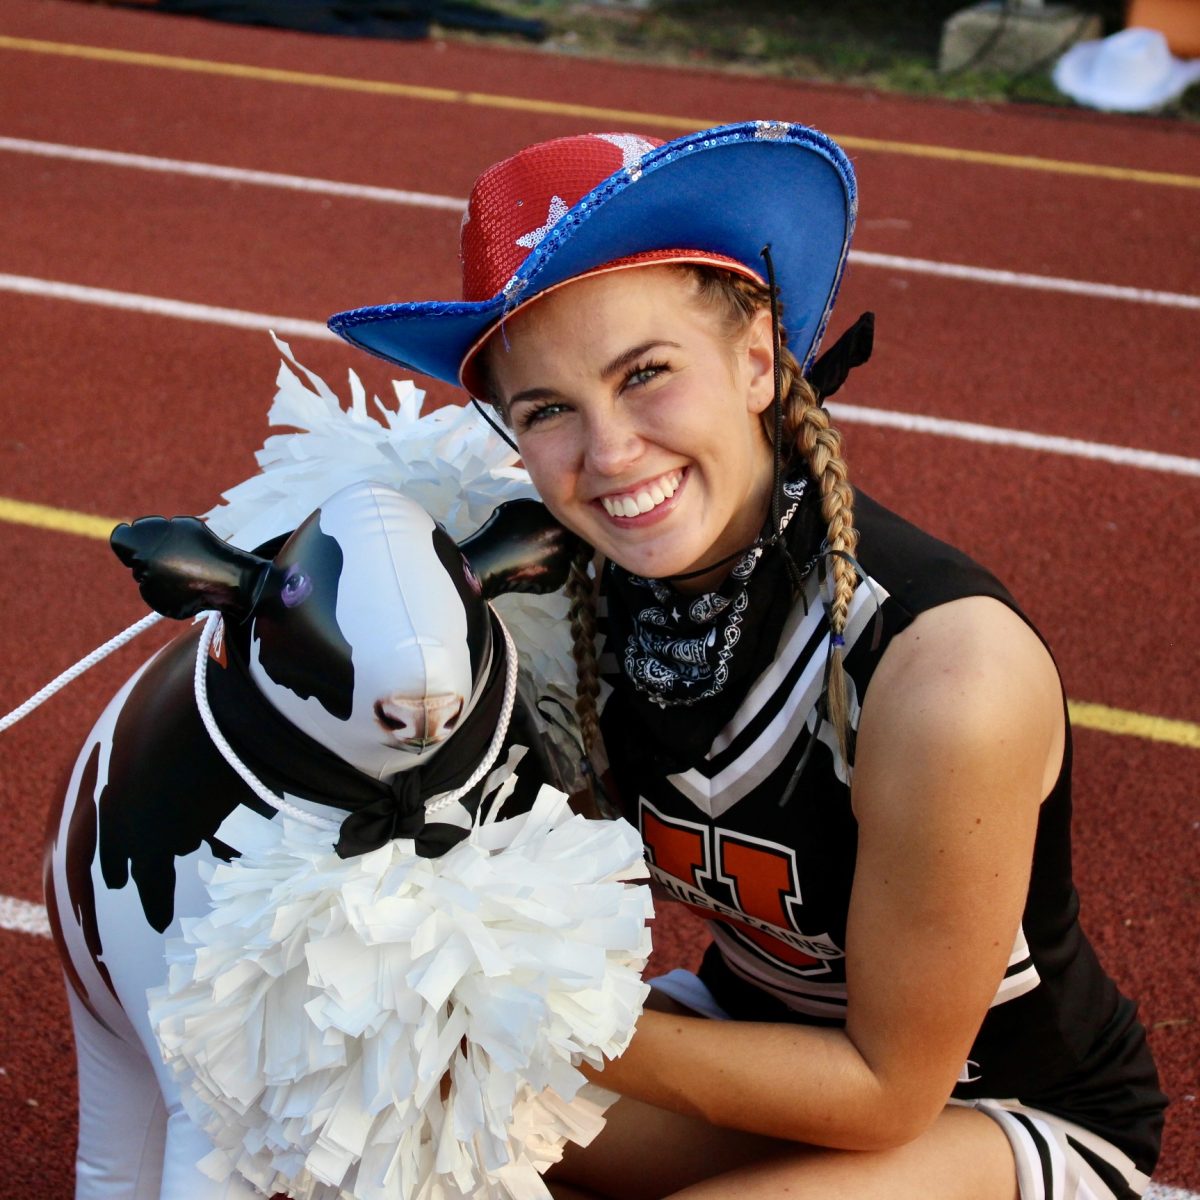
column 968, row 688
column 965, row 639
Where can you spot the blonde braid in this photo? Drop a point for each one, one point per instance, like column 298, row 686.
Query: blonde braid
column 821, row 444
column 581, row 612
column 806, row 426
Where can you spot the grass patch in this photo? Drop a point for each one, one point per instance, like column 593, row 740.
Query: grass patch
column 879, row 44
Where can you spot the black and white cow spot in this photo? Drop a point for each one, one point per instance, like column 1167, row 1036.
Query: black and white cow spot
column 300, row 645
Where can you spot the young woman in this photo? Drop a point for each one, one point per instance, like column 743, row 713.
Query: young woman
column 840, row 738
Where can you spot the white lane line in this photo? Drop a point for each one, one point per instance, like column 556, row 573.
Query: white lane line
column 330, row 187
column 1043, row 283
column 23, row 916
column 177, row 166
column 1126, row 456
column 967, row 431
column 159, row 307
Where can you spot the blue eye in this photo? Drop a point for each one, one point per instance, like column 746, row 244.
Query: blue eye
column 296, row 588
column 532, row 415
column 644, row 373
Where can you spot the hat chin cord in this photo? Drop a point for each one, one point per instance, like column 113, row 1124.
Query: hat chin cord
column 500, row 430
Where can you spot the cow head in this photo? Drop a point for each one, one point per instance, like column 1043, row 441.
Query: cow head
column 370, row 629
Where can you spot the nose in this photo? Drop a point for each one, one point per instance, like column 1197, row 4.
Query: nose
column 613, row 442
column 419, row 720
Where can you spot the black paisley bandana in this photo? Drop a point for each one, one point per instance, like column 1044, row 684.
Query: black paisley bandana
column 678, row 649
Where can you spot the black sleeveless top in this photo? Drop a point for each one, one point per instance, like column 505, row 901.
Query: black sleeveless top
column 774, row 878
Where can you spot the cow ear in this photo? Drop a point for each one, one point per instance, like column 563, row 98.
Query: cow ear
column 182, row 568
column 521, row 548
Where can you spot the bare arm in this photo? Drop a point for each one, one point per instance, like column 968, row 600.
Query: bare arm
column 960, row 739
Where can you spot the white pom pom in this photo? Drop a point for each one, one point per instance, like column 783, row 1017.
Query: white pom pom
column 390, row 1025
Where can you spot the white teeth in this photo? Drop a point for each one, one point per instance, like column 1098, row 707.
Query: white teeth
column 644, row 501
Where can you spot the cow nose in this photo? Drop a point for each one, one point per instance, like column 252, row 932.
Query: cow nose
column 419, row 721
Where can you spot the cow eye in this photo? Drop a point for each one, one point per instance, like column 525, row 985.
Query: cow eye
column 296, row 588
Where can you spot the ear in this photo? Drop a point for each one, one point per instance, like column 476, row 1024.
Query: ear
column 183, row 569
column 758, row 359
column 521, row 548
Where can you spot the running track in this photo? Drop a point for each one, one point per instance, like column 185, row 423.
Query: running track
column 1032, row 397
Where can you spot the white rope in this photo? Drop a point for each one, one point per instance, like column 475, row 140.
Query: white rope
column 277, row 802
column 251, row 780
column 73, row 673
column 506, row 711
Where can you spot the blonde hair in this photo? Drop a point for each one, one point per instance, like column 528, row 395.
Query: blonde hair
column 808, row 430
column 581, row 613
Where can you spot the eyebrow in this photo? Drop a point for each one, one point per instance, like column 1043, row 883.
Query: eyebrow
column 631, row 355
column 615, row 367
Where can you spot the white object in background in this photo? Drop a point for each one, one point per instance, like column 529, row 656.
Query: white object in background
column 1131, row 71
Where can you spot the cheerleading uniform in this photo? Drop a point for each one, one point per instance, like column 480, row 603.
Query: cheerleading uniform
column 737, row 784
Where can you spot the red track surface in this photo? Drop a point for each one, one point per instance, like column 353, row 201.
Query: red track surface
column 116, row 414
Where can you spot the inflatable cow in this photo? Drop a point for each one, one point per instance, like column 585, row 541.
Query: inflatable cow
column 358, row 671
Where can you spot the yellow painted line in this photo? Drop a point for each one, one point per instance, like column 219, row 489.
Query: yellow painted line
column 1022, row 162
column 61, row 520
column 376, row 87
column 380, row 87
column 1132, row 724
column 1083, row 715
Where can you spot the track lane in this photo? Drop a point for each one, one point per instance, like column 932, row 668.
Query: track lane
column 37, row 1072
column 1062, row 521
column 1071, row 366
column 857, row 413
column 416, row 199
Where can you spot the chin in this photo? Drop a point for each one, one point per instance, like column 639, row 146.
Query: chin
column 653, row 565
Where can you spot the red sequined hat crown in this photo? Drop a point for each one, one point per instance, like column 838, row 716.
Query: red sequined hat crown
column 517, row 202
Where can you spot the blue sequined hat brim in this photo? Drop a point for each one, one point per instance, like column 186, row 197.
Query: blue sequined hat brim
column 730, row 190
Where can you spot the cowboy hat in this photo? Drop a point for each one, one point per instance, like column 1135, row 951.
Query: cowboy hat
column 1131, row 71
column 580, row 205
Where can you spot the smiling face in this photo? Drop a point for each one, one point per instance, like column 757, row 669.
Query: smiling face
column 637, row 415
